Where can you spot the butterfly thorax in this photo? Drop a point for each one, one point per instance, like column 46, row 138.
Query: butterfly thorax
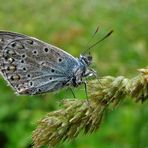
column 81, row 70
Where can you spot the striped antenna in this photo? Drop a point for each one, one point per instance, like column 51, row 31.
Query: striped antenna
column 93, row 45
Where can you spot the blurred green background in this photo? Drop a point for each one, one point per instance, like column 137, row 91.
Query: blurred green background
column 69, row 24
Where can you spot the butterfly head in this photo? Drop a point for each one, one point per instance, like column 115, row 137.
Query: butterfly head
column 86, row 59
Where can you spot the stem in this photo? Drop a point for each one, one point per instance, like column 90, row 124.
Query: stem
column 77, row 115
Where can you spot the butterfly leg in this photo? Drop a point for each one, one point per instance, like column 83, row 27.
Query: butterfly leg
column 97, row 77
column 85, row 86
column 94, row 73
column 72, row 93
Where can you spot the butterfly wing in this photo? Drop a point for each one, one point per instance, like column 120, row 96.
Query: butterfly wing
column 31, row 66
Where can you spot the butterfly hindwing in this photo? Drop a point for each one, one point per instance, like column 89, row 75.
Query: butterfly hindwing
column 32, row 66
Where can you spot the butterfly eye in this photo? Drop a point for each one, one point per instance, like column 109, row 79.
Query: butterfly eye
column 89, row 58
column 46, row 49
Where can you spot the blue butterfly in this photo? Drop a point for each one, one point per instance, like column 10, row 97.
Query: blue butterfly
column 34, row 67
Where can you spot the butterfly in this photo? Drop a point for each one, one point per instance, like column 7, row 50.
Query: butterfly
column 31, row 66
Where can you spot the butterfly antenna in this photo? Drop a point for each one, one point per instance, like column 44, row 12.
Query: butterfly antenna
column 92, row 37
column 106, row 36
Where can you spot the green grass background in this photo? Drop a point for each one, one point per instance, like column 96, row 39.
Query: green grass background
column 69, row 24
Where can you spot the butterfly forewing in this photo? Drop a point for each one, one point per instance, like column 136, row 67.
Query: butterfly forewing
column 32, row 66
